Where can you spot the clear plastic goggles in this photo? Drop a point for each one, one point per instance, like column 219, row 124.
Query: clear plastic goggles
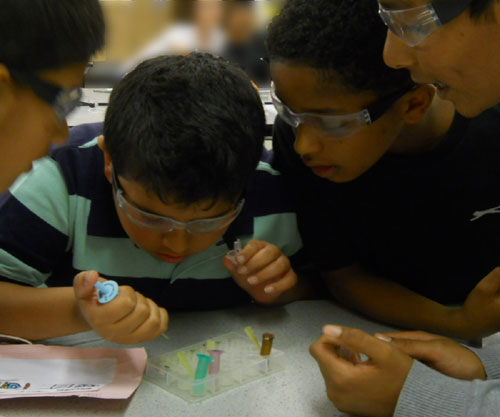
column 163, row 224
column 62, row 100
column 336, row 126
column 414, row 25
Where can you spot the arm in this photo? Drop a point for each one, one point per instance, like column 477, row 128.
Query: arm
column 392, row 303
column 43, row 313
column 39, row 313
column 391, row 383
column 388, row 302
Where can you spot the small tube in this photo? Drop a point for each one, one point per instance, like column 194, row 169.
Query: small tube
column 251, row 335
column 235, row 251
column 201, row 372
column 215, row 365
column 210, row 345
column 267, row 344
column 185, row 363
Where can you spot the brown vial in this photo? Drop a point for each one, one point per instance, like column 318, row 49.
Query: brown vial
column 267, row 344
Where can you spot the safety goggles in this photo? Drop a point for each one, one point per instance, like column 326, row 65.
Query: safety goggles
column 61, row 99
column 163, row 224
column 336, row 126
column 415, row 24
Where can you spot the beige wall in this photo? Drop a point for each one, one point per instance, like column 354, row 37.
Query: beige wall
column 130, row 24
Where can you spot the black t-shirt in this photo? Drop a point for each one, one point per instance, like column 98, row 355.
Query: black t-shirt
column 429, row 222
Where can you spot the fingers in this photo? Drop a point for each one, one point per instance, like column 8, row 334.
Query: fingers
column 152, row 326
column 424, row 350
column 256, row 256
column 261, row 261
column 83, row 285
column 326, row 352
column 130, row 318
column 358, row 341
column 412, row 335
column 284, row 284
column 136, row 317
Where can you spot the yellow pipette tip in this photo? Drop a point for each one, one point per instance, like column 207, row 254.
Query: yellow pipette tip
column 251, row 335
column 185, row 362
column 210, row 344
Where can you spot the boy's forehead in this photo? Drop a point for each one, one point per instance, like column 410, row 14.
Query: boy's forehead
column 305, row 89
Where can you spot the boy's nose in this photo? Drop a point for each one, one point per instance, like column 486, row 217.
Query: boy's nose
column 306, row 141
column 176, row 241
column 397, row 54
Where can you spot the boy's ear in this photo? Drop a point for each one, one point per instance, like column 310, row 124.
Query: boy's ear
column 108, row 165
column 416, row 103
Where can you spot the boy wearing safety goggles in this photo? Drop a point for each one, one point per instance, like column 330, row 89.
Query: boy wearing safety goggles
column 155, row 204
column 45, row 46
column 404, row 192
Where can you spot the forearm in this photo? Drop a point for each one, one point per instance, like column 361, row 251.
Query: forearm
column 39, row 313
column 389, row 302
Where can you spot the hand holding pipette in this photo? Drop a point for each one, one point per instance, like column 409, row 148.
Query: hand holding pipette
column 262, row 270
column 126, row 317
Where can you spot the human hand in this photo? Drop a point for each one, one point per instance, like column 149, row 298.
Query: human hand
column 440, row 353
column 263, row 271
column 369, row 388
column 480, row 314
column 129, row 319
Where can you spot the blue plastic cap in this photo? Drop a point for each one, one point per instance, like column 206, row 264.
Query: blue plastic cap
column 106, row 291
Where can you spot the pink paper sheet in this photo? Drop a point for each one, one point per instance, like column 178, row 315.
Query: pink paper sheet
column 128, row 371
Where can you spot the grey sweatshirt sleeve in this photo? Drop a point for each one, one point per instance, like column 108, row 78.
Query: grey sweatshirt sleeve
column 490, row 356
column 427, row 392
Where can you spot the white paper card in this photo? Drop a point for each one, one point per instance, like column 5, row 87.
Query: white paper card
column 50, row 376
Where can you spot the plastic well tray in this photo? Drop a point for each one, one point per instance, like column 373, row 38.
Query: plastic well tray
column 240, row 364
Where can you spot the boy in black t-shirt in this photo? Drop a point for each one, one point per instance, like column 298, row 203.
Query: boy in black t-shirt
column 398, row 196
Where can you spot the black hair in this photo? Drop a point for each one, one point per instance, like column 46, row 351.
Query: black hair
column 187, row 128
column 481, row 8
column 38, row 35
column 342, row 40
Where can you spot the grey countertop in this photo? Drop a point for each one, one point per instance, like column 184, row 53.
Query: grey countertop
column 298, row 391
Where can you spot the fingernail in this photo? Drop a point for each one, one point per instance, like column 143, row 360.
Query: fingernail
column 86, row 279
column 240, row 259
column 253, row 280
column 334, row 331
column 242, row 270
column 383, row 337
column 269, row 290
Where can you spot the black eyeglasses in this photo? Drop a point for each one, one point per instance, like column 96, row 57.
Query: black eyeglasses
column 62, row 100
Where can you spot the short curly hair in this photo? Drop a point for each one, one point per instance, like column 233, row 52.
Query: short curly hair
column 187, row 128
column 341, row 39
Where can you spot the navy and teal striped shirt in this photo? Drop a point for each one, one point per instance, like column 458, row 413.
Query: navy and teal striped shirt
column 61, row 219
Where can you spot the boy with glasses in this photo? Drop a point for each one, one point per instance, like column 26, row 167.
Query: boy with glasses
column 453, row 44
column 44, row 49
column 155, row 204
column 402, row 189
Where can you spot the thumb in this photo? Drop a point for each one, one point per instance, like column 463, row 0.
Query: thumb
column 83, row 284
column 358, row 341
column 491, row 283
column 418, row 349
